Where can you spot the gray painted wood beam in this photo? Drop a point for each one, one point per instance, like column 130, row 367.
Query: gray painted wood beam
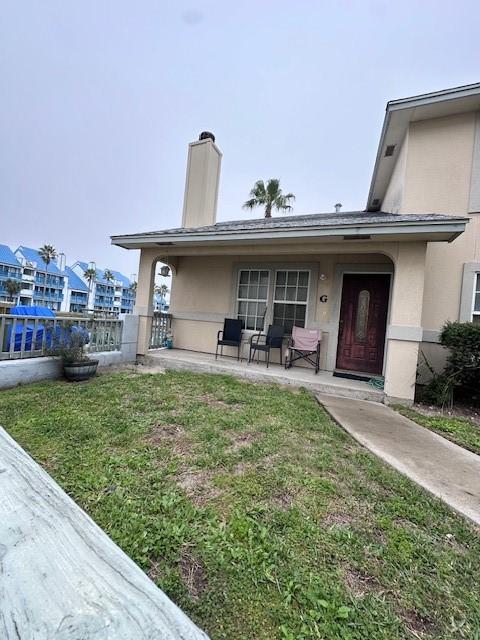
column 61, row 576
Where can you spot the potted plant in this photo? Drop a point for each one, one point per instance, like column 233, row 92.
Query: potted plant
column 169, row 340
column 69, row 345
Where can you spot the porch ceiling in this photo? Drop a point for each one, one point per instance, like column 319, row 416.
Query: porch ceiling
column 345, row 228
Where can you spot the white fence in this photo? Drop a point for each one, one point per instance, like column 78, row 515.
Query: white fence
column 32, row 336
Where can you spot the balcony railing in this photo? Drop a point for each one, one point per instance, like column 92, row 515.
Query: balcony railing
column 161, row 324
column 13, row 274
column 33, row 336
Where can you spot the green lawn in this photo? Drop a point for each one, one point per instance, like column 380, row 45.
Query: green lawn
column 257, row 514
column 459, row 430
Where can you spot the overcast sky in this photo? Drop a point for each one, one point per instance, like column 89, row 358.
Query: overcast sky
column 99, row 99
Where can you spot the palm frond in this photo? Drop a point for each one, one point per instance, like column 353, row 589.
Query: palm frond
column 273, row 188
column 250, row 204
column 258, row 190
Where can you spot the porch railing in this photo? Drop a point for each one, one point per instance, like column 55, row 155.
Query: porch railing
column 161, row 324
column 31, row 336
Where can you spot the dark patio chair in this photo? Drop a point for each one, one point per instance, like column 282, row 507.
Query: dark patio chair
column 230, row 336
column 273, row 339
column 304, row 345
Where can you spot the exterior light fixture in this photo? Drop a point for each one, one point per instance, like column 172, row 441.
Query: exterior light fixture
column 165, row 271
column 322, row 277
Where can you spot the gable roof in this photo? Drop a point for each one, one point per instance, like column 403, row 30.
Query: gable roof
column 101, row 280
column 399, row 114
column 8, row 257
column 121, row 278
column 74, row 282
column 32, row 255
column 319, row 225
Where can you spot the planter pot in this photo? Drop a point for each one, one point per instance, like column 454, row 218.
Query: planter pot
column 80, row 371
column 169, row 343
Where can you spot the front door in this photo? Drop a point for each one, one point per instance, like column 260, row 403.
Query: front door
column 363, row 322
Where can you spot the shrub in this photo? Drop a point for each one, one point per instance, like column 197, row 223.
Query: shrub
column 463, row 362
column 461, row 378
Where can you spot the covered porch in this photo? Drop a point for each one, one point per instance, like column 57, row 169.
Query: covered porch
column 365, row 299
column 323, row 382
column 358, row 278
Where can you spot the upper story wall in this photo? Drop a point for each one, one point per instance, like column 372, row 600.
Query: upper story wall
column 438, row 171
column 439, row 165
column 394, row 195
column 433, row 172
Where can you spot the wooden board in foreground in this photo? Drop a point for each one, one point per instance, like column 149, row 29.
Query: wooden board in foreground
column 61, row 576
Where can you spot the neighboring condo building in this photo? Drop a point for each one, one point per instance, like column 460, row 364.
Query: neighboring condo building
column 110, row 296
column 60, row 287
column 10, row 268
column 77, row 293
column 42, row 284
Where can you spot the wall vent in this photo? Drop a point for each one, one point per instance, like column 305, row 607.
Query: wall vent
column 390, row 150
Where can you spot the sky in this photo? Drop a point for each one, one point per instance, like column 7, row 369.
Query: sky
column 99, row 100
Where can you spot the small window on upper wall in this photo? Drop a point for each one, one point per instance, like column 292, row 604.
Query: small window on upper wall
column 476, row 300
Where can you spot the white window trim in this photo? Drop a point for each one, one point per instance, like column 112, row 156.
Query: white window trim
column 306, row 302
column 471, row 271
column 476, row 289
column 273, row 267
column 256, row 300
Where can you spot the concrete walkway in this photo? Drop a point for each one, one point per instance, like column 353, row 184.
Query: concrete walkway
column 443, row 468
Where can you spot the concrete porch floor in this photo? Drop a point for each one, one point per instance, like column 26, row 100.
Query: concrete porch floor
column 322, row 382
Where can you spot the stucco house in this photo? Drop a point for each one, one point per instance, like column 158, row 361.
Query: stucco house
column 379, row 283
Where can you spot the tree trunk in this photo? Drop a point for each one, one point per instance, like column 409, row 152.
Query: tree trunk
column 268, row 211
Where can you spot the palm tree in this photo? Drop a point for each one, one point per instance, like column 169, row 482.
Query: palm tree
column 13, row 288
column 270, row 197
column 162, row 289
column 109, row 277
column 133, row 286
column 90, row 276
column 47, row 253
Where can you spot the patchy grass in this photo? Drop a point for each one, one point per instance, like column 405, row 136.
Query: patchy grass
column 462, row 431
column 252, row 509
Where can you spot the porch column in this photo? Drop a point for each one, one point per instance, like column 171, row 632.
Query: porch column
column 144, row 299
column 404, row 332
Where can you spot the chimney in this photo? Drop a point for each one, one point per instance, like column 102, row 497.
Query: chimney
column 61, row 261
column 338, row 206
column 201, row 185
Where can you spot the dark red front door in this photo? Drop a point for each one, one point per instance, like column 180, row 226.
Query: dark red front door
column 363, row 322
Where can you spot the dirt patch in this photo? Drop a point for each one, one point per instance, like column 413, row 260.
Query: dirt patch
column 191, row 481
column 471, row 414
column 132, row 368
column 416, row 624
column 169, row 435
column 193, row 574
column 360, row 584
column 284, row 500
column 269, row 462
column 338, row 519
column 241, row 468
column 198, row 485
column 212, row 401
column 241, row 441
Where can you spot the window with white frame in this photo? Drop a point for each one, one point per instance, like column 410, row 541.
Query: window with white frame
column 290, row 298
column 252, row 297
column 476, row 300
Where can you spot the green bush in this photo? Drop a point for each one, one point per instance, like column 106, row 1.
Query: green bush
column 463, row 362
column 461, row 378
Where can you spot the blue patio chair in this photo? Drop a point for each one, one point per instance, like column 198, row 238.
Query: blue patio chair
column 230, row 336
